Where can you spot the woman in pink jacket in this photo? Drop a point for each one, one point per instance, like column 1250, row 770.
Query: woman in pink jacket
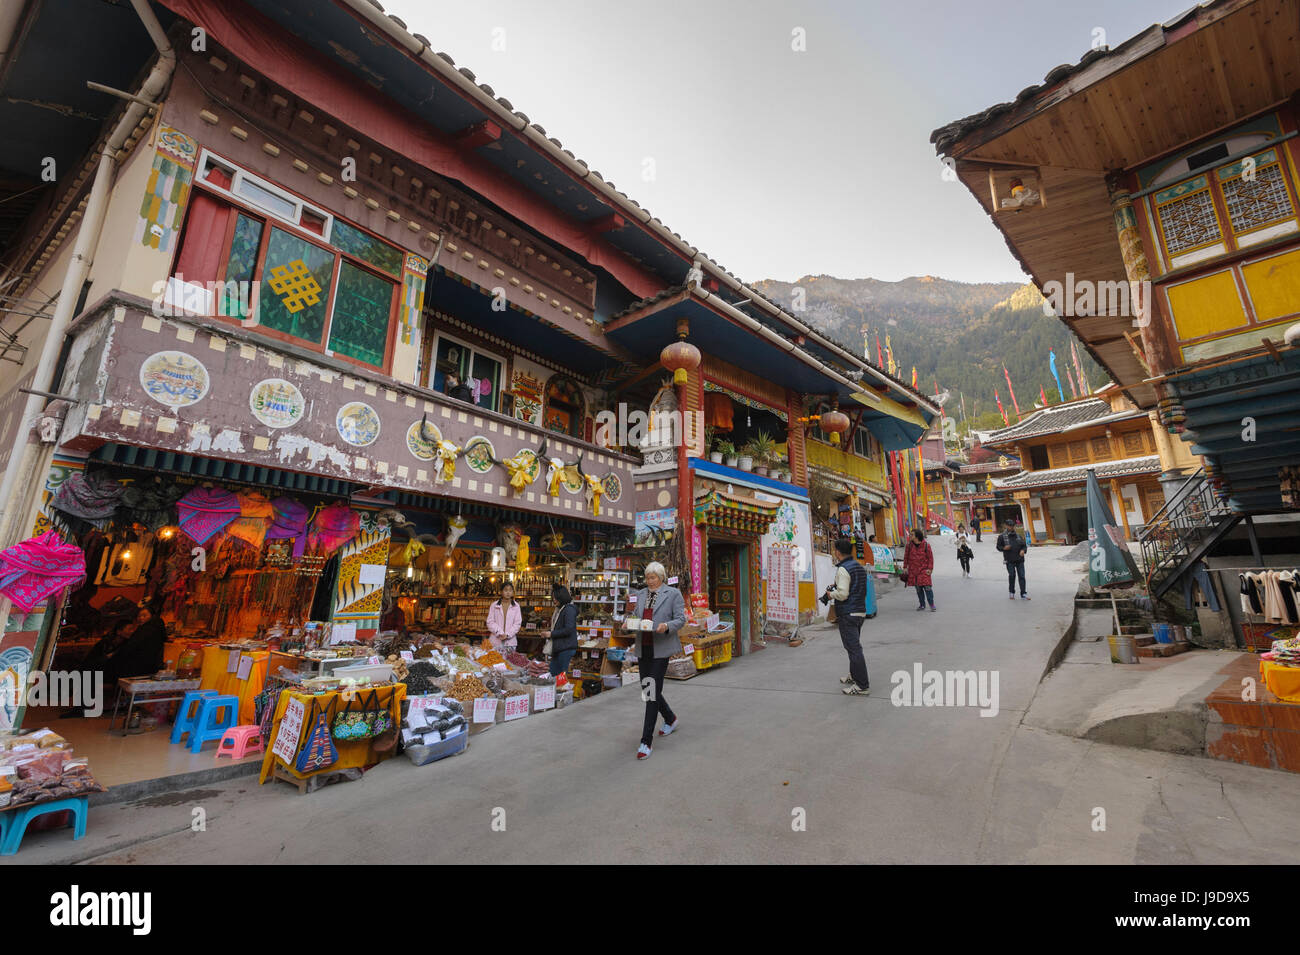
column 504, row 619
column 918, row 562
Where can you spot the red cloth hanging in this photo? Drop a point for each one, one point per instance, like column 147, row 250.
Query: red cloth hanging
column 718, row 411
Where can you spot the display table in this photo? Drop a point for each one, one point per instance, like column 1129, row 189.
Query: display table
column 1282, row 681
column 173, row 649
column 351, row 755
column 215, row 677
column 144, row 689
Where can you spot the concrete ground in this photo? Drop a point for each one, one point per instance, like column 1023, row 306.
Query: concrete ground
column 772, row 764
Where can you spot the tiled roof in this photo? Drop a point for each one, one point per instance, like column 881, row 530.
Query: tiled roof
column 946, row 136
column 1058, row 418
column 1052, row 477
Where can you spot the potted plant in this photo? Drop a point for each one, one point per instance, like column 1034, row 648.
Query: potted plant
column 763, row 449
column 714, row 454
column 727, row 451
column 780, row 467
column 745, row 459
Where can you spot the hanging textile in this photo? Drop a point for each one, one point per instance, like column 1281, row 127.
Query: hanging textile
column 92, row 497
column 289, row 520
column 255, row 515
column 333, row 527
column 205, row 511
column 718, row 411
column 38, row 567
column 152, row 503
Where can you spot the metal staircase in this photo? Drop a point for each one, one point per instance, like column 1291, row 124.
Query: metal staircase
column 1187, row 528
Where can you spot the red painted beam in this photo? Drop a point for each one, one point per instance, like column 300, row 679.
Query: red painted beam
column 607, row 223
column 480, row 134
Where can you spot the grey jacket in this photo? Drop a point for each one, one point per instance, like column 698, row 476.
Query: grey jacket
column 669, row 608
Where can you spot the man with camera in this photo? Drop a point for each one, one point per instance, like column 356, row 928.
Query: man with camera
column 850, row 595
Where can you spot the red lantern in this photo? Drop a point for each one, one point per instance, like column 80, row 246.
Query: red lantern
column 680, row 357
column 835, row 423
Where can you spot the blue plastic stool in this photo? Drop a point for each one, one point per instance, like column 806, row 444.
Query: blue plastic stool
column 13, row 822
column 187, row 713
column 216, row 715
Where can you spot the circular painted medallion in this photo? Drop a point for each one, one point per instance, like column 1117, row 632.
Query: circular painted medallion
column 358, row 424
column 423, row 445
column 479, row 453
column 613, row 488
column 277, row 403
column 174, row 378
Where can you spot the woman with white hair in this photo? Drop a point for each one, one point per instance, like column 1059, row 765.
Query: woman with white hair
column 665, row 610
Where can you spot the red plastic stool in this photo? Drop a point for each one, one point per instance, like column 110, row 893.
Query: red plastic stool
column 243, row 740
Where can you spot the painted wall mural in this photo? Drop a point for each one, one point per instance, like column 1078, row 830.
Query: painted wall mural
column 174, row 378
column 277, row 403
column 358, row 424
column 168, row 189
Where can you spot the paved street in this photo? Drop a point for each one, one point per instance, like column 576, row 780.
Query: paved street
column 762, row 739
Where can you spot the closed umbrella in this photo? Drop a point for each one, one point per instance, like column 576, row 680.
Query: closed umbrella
column 1110, row 565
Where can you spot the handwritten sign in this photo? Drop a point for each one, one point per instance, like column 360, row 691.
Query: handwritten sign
column 371, row 574
column 516, row 706
column 407, row 655
column 286, row 741
column 782, row 587
column 672, row 581
column 688, row 649
column 485, row 709
column 245, row 667
column 343, row 632
column 232, row 661
column 544, row 698
column 424, row 702
column 373, row 661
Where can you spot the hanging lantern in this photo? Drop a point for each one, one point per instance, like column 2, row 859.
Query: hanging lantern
column 681, row 356
column 835, row 423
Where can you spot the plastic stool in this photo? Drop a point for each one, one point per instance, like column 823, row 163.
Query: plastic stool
column 14, row 821
column 243, row 740
column 216, row 715
column 185, row 719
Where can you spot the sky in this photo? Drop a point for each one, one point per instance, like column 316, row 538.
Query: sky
column 776, row 162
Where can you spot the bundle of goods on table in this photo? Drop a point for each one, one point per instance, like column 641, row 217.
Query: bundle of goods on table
column 41, row 782
column 1280, row 669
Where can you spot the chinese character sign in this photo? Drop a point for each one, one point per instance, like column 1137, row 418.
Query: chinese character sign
column 782, row 586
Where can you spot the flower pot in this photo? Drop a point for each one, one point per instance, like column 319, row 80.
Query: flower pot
column 731, row 461
column 746, row 463
column 715, row 457
column 760, row 470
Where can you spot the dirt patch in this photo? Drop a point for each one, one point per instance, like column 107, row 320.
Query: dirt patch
column 178, row 798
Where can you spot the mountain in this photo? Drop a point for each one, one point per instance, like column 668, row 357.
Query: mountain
column 956, row 333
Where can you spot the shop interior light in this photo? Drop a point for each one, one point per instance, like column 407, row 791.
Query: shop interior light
column 410, row 571
column 448, row 561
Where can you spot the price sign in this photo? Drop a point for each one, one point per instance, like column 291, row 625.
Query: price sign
column 374, row 660
column 544, row 698
column 688, row 649
column 408, row 656
column 286, row 741
column 672, row 581
column 245, row 667
column 232, row 661
column 516, row 706
column 424, row 702
column 485, row 709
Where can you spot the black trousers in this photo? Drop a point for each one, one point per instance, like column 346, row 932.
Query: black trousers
column 965, row 563
column 1016, row 569
column 653, row 671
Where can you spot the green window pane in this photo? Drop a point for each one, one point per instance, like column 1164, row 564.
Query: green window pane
column 486, row 369
column 295, row 286
column 362, row 306
column 234, row 298
column 366, row 247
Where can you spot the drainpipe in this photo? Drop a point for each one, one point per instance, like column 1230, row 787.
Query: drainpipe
column 87, row 239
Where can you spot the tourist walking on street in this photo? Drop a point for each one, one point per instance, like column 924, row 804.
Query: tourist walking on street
column 976, row 522
column 1013, row 549
column 664, row 607
column 850, row 595
column 918, row 564
column 964, row 553
column 564, row 629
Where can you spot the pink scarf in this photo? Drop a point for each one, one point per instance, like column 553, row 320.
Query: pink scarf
column 290, row 520
column 204, row 511
column 333, row 527
column 34, row 569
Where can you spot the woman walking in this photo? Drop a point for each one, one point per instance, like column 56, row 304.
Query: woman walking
column 918, row 563
column 564, row 630
column 664, row 607
column 964, row 552
column 504, row 619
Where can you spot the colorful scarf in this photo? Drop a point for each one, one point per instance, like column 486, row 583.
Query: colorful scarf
column 91, row 497
column 333, row 527
column 290, row 520
column 204, row 511
column 33, row 569
column 255, row 514
column 152, row 505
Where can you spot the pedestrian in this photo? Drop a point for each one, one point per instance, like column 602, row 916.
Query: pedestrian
column 564, row 629
column 964, row 552
column 850, row 595
column 664, row 607
column 918, row 564
column 504, row 618
column 977, row 529
column 1013, row 549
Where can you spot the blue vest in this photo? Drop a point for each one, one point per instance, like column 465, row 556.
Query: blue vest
column 856, row 602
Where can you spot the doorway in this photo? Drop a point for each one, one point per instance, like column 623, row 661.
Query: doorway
column 729, row 586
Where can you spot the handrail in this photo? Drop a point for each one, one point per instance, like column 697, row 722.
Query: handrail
column 1174, row 499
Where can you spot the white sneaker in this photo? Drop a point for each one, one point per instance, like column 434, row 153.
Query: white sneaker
column 667, row 730
column 643, row 751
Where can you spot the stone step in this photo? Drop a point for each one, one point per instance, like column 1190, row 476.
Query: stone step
column 1163, row 649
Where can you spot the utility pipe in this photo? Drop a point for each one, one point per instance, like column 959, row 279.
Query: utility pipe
column 88, row 234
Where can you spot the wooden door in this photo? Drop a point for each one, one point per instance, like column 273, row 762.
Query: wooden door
column 724, row 582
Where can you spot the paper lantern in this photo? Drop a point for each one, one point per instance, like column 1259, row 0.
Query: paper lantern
column 680, row 357
column 835, row 423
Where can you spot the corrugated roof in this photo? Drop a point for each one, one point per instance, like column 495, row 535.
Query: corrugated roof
column 1052, row 477
column 1059, row 418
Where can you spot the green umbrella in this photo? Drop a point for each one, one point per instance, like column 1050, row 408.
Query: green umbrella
column 1110, row 565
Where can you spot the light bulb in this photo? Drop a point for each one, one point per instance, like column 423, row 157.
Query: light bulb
column 410, row 571
column 126, row 554
column 448, row 561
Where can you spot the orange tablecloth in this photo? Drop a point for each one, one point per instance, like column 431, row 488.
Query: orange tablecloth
column 215, row 677
column 1282, row 682
column 350, row 754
